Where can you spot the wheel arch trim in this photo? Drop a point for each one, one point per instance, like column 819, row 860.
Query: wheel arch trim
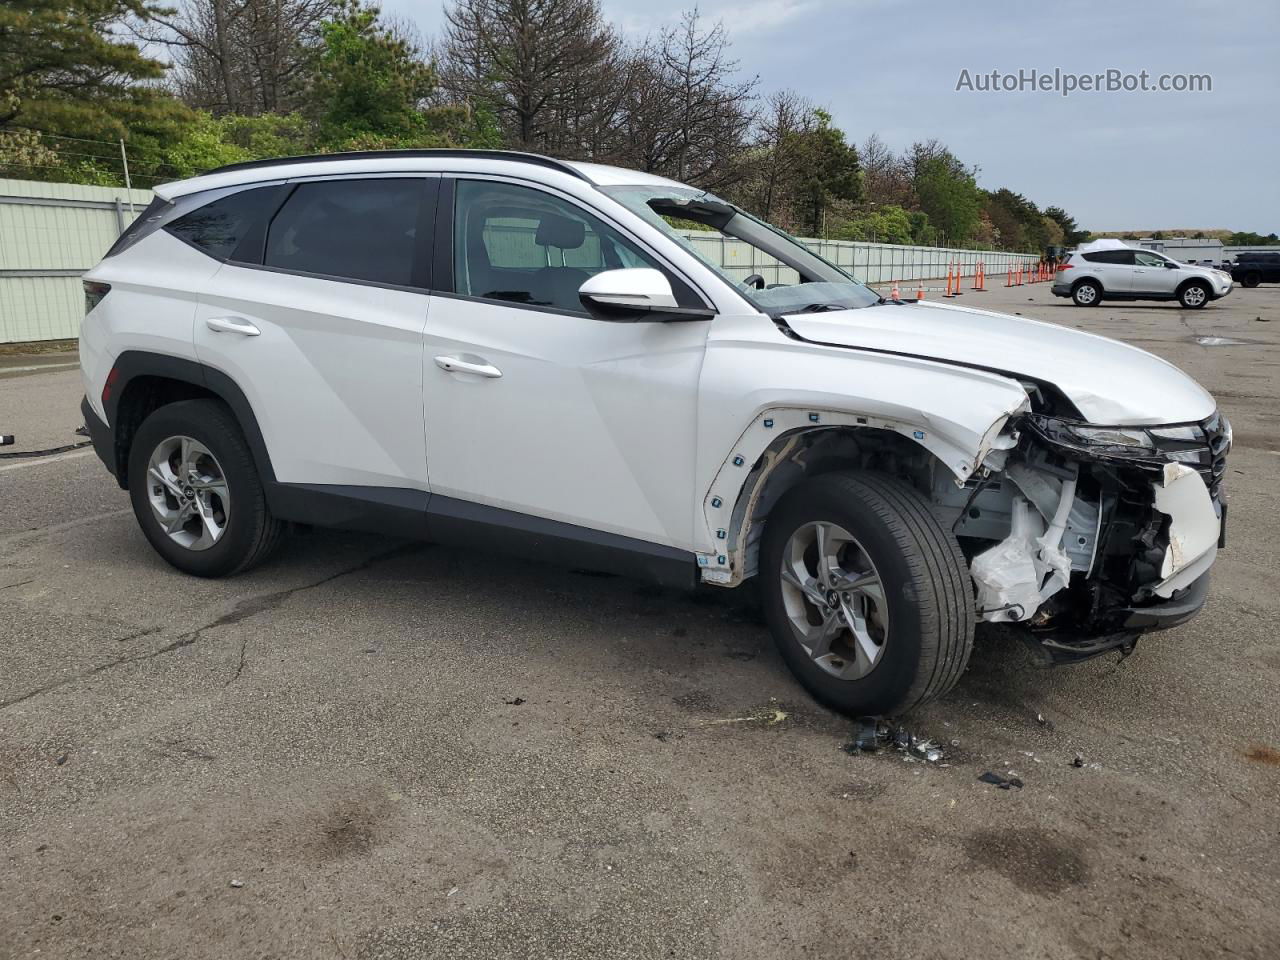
column 729, row 507
column 133, row 364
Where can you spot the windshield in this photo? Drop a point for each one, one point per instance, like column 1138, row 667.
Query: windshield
column 776, row 272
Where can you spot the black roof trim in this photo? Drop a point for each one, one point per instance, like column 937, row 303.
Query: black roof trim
column 533, row 158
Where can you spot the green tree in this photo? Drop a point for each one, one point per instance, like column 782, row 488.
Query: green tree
column 824, row 169
column 1072, row 235
column 950, row 196
column 887, row 224
column 368, row 81
column 1244, row 238
column 66, row 72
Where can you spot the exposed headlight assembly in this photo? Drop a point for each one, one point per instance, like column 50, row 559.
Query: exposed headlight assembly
column 1123, row 442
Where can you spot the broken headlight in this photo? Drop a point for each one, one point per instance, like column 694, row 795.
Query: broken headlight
column 1125, row 442
column 1202, row 446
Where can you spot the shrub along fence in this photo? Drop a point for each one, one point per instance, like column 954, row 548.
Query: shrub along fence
column 50, row 233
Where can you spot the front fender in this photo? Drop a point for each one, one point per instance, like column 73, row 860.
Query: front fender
column 756, row 386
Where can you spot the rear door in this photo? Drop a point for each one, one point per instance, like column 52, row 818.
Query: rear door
column 1113, row 268
column 319, row 319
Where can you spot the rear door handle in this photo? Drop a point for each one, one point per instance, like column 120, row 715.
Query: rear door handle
column 232, row 325
column 478, row 368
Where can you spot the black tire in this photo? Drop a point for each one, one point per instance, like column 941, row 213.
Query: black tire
column 1186, row 296
column 251, row 532
column 927, row 588
column 1091, row 297
column 1251, row 279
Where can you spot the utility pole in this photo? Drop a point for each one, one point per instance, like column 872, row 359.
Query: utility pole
column 128, row 185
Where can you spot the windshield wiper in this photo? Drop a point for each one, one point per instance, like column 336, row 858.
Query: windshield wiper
column 820, row 308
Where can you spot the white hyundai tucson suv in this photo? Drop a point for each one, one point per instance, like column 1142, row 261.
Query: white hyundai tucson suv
column 527, row 355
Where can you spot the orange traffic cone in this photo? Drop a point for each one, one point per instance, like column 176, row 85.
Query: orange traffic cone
column 979, row 277
column 959, row 277
column 1008, row 276
column 919, row 289
column 894, row 294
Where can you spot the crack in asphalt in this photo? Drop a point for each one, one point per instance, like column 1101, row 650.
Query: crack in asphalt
column 241, row 611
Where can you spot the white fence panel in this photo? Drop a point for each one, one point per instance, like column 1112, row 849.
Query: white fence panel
column 50, row 233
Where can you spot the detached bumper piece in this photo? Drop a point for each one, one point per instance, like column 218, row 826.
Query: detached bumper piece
column 1060, row 648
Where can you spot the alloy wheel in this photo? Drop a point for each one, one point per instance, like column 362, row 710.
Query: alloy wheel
column 188, row 493
column 834, row 600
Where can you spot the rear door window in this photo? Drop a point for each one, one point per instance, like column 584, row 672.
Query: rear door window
column 1121, row 257
column 366, row 230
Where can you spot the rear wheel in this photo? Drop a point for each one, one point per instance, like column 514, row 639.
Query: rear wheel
column 866, row 593
column 1086, row 293
column 1251, row 279
column 1193, row 296
column 196, row 493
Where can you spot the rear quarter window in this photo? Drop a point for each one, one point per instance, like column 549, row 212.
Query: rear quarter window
column 230, row 227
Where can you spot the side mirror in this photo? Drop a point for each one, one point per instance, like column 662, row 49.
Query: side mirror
column 635, row 295
column 1170, row 265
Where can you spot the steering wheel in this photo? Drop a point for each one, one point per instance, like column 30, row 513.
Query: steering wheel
column 755, row 280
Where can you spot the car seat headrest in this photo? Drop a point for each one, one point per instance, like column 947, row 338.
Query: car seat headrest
column 562, row 232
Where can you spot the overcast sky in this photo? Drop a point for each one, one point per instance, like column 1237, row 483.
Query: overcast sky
column 1113, row 160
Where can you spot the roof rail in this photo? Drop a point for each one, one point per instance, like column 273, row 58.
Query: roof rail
column 515, row 155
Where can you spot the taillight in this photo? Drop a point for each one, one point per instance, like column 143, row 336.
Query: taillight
column 1063, row 266
column 93, row 293
column 109, row 387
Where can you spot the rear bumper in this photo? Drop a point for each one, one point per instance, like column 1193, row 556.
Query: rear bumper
column 1061, row 289
column 103, row 440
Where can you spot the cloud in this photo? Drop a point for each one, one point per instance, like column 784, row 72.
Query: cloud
column 738, row 17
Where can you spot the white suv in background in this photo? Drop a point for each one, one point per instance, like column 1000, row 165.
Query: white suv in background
column 1112, row 270
column 525, row 355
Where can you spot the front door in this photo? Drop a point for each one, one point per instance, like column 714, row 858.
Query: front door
column 534, row 407
column 1152, row 274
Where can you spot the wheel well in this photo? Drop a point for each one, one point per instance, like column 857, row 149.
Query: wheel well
column 1197, row 281
column 802, row 455
column 142, row 396
column 1094, row 280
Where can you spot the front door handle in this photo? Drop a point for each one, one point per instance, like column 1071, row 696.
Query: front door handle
column 232, row 325
column 477, row 367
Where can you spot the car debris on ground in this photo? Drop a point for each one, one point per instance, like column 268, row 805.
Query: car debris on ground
column 1004, row 783
column 870, row 733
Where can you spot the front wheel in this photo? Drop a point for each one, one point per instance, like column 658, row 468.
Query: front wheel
column 1251, row 279
column 866, row 593
column 1194, row 296
column 196, row 493
column 1086, row 294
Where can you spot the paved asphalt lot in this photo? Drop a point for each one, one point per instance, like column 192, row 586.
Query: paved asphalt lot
column 378, row 749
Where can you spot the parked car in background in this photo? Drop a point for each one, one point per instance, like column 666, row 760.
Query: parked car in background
column 1251, row 269
column 527, row 355
column 1113, row 270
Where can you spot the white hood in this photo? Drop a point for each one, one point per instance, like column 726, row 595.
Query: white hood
column 1108, row 381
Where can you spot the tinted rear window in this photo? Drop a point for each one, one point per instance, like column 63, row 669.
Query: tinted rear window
column 217, row 228
column 1110, row 256
column 353, row 229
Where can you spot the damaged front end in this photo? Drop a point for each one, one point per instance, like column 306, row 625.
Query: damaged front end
column 1083, row 537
